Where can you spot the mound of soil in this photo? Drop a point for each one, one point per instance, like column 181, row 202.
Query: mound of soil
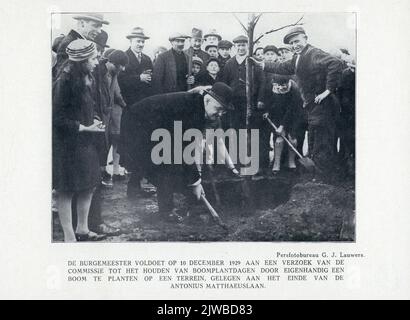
column 279, row 209
column 314, row 212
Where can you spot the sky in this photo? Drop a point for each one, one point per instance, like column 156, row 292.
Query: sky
column 325, row 30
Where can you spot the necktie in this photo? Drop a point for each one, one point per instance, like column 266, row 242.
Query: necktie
column 139, row 57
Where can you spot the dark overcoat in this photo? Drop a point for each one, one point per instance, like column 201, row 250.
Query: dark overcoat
column 160, row 111
column 165, row 73
column 75, row 158
column 287, row 110
column 132, row 88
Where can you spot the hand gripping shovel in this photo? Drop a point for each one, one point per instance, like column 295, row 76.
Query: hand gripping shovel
column 214, row 214
column 304, row 161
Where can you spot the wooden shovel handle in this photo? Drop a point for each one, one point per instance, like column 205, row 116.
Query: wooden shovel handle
column 283, row 136
column 209, row 206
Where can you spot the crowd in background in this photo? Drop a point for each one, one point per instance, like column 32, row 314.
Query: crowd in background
column 300, row 91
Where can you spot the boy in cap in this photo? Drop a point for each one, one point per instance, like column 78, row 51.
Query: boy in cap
column 318, row 76
column 284, row 107
column 285, row 53
column 270, row 53
column 197, row 64
column 258, row 53
column 212, row 50
column 209, row 77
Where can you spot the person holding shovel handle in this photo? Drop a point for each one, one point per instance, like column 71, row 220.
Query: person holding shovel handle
column 317, row 75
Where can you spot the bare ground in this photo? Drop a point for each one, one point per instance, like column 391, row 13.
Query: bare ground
column 280, row 208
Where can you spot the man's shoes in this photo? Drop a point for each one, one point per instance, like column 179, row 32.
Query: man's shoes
column 90, row 236
column 107, row 230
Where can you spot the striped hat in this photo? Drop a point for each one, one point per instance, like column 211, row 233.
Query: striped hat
column 80, row 49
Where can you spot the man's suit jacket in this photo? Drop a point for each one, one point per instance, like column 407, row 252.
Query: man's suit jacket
column 160, row 112
column 165, row 73
column 132, row 88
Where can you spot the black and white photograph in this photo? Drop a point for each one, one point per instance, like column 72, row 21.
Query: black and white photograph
column 200, row 157
column 203, row 126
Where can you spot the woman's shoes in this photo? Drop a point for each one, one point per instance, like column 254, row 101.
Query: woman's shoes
column 90, row 236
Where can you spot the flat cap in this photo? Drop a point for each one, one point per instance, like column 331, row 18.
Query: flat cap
column 240, row 38
column 178, row 35
column 210, row 46
column 293, row 32
column 224, row 44
column 280, row 78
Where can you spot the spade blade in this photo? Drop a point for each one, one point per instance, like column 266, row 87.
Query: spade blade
column 307, row 163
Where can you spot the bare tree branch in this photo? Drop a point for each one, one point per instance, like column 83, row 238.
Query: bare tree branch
column 257, row 18
column 297, row 23
column 243, row 26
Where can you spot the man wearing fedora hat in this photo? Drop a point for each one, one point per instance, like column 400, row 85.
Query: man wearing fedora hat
column 136, row 84
column 135, row 81
column 193, row 110
column 195, row 48
column 171, row 68
column 318, row 75
column 88, row 27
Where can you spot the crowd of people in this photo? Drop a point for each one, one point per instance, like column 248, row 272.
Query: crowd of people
column 105, row 99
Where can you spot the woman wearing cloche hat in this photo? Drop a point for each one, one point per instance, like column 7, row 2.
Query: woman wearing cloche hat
column 76, row 169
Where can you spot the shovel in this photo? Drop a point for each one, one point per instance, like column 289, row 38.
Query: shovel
column 304, row 161
column 214, row 214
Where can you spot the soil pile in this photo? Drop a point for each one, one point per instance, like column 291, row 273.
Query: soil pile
column 314, row 212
